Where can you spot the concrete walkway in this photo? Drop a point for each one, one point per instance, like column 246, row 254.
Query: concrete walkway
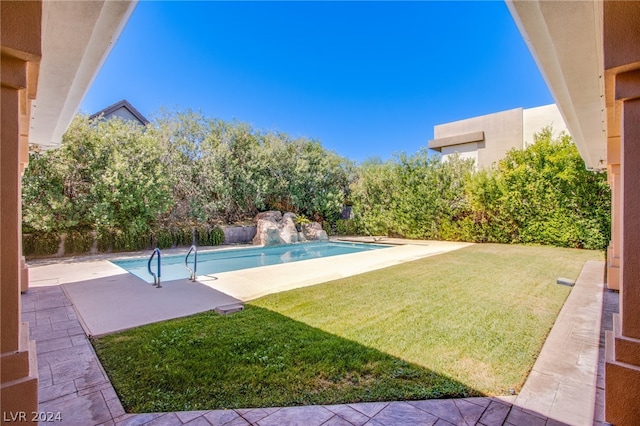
column 564, row 386
column 562, row 383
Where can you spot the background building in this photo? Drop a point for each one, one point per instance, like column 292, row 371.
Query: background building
column 487, row 138
column 122, row 109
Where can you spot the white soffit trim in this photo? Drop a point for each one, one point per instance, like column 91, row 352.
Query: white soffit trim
column 565, row 39
column 77, row 37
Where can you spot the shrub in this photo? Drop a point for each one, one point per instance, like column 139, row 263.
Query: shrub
column 163, row 238
column 131, row 241
column 346, row 227
column 547, row 196
column 210, row 236
column 542, row 195
column 78, row 242
column 216, row 236
column 40, row 244
column 182, row 236
column 328, row 227
column 105, row 241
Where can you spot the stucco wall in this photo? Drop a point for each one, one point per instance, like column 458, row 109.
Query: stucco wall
column 239, row 234
column 502, row 132
column 535, row 119
column 466, row 150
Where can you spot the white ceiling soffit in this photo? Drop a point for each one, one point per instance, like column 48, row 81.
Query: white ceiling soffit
column 77, row 37
column 565, row 39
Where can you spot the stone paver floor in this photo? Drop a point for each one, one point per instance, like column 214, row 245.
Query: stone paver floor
column 73, row 383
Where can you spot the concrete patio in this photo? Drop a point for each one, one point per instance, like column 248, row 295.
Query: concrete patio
column 564, row 387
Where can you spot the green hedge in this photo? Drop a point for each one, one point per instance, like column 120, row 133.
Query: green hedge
column 78, row 242
column 40, row 244
column 347, row 227
column 539, row 195
column 210, row 236
column 118, row 241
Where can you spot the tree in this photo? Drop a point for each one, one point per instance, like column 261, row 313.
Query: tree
column 550, row 196
column 415, row 196
column 107, row 176
column 372, row 194
column 542, row 194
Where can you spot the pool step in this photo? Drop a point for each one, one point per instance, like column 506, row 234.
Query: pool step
column 229, row 309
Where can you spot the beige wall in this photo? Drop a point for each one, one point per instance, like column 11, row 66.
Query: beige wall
column 502, row 132
column 535, row 119
column 466, row 151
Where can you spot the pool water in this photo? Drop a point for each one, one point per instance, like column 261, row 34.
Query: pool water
column 212, row 262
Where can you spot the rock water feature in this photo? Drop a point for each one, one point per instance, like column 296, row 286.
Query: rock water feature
column 274, row 228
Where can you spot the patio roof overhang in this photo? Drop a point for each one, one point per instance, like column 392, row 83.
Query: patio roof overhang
column 565, row 39
column 76, row 39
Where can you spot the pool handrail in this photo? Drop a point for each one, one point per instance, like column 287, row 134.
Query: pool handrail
column 192, row 272
column 156, row 278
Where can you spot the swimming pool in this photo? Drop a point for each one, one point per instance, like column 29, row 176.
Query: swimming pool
column 216, row 261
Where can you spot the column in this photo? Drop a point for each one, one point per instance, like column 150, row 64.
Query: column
column 613, row 172
column 20, row 28
column 622, row 368
column 18, row 364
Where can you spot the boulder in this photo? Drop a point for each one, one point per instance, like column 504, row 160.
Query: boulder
column 287, row 228
column 272, row 215
column 314, row 231
column 266, row 233
column 272, row 237
column 275, row 228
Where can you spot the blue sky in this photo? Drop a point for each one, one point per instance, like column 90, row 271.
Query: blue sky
column 364, row 78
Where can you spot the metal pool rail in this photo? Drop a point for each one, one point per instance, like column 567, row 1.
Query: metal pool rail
column 156, row 278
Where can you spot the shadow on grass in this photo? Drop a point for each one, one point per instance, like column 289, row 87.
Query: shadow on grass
column 256, row 358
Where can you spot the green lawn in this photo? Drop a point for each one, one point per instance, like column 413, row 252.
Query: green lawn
column 465, row 323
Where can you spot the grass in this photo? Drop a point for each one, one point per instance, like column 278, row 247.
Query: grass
column 465, row 323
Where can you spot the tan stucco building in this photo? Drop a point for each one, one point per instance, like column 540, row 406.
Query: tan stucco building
column 487, row 138
column 588, row 52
